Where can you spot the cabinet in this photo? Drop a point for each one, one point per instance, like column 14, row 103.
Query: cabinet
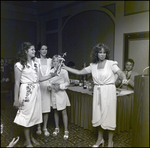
column 140, row 130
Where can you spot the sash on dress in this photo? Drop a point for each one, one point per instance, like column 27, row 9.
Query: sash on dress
column 98, row 108
column 56, row 80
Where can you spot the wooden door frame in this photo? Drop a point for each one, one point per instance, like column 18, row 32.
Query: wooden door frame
column 134, row 36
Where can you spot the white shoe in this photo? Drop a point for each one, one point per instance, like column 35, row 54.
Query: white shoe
column 56, row 132
column 46, row 133
column 102, row 142
column 66, row 136
column 39, row 132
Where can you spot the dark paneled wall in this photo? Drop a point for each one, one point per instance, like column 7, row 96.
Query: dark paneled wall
column 52, row 43
column 83, row 31
column 15, row 32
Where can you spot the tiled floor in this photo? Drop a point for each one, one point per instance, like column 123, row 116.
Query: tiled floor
column 78, row 137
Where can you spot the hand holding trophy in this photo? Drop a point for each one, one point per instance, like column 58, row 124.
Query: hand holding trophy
column 55, row 81
column 57, row 71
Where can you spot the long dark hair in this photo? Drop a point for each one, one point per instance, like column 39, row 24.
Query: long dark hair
column 22, row 56
column 95, row 51
column 38, row 48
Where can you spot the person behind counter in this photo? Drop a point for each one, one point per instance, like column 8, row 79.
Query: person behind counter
column 130, row 74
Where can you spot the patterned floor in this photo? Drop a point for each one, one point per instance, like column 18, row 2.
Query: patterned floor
column 78, row 137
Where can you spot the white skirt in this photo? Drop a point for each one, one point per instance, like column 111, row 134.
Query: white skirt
column 31, row 112
column 59, row 99
column 104, row 106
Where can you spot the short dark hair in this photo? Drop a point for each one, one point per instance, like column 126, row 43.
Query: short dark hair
column 130, row 60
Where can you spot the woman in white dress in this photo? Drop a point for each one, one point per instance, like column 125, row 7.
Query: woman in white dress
column 60, row 100
column 27, row 96
column 104, row 94
column 45, row 66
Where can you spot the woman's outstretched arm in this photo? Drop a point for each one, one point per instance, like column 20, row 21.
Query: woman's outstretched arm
column 75, row 71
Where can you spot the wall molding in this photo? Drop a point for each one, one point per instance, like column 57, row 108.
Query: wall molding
column 101, row 9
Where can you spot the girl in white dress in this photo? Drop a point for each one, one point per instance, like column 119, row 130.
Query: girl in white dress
column 104, row 94
column 45, row 66
column 59, row 96
column 27, row 96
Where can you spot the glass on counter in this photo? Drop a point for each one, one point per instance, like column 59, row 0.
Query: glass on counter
column 81, row 83
column 74, row 82
column 90, row 86
column 84, row 84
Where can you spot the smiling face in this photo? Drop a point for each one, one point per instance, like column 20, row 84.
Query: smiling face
column 129, row 66
column 102, row 54
column 31, row 52
column 56, row 62
column 43, row 51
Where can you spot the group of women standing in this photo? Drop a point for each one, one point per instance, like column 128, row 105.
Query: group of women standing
column 35, row 93
column 29, row 96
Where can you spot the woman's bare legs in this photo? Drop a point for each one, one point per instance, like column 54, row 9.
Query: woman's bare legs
column 56, row 117
column 100, row 135
column 35, row 142
column 45, row 120
column 65, row 119
column 110, row 138
column 27, row 136
column 39, row 129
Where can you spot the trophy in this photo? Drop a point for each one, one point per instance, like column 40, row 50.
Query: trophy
column 57, row 79
column 57, row 71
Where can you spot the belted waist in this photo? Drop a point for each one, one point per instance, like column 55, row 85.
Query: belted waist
column 105, row 84
column 30, row 83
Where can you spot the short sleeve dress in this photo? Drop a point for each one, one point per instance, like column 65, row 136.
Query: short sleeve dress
column 29, row 95
column 104, row 95
column 60, row 98
column 45, row 93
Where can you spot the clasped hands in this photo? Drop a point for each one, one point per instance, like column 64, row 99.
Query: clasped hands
column 55, row 87
column 125, row 81
column 53, row 74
